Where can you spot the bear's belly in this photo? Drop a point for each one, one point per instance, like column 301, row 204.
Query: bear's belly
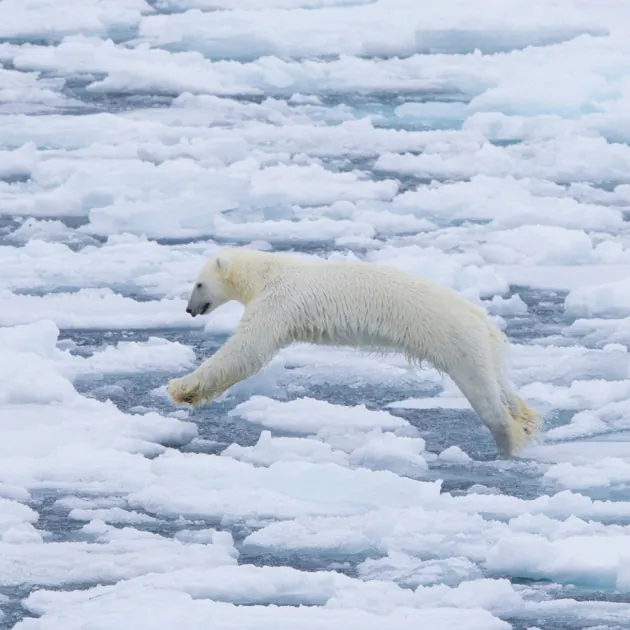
column 346, row 338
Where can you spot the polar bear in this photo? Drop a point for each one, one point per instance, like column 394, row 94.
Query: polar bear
column 364, row 305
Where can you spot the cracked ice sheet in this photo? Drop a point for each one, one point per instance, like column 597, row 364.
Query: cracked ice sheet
column 203, row 190
column 97, row 287
column 598, row 332
column 94, row 309
column 565, row 160
column 198, row 595
column 356, row 218
column 385, row 27
column 137, row 266
column 559, row 245
column 41, row 340
column 92, row 447
column 110, row 554
column 126, row 267
column 130, row 262
column 53, row 437
column 479, row 528
column 52, row 19
column 26, row 93
column 162, row 609
column 487, row 80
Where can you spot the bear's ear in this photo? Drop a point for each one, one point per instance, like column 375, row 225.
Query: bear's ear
column 222, row 264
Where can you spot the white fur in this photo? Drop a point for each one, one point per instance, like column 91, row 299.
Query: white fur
column 356, row 304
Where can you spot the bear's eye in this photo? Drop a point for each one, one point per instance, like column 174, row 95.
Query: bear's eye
column 198, row 285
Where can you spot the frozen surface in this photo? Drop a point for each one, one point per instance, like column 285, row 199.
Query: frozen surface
column 484, row 145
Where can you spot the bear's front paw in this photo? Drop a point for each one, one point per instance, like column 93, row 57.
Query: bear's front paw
column 185, row 390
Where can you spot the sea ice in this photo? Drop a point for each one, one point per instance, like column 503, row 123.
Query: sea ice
column 484, row 146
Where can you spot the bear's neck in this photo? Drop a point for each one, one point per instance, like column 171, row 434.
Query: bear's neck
column 247, row 278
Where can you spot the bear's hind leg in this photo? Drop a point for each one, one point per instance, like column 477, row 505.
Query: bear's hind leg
column 524, row 423
column 512, row 423
column 484, row 395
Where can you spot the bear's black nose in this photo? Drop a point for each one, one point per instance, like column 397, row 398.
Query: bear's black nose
column 189, row 310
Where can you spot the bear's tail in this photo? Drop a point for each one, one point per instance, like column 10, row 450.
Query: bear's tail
column 523, row 425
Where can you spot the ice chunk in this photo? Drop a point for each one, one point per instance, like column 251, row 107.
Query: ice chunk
column 412, row 571
column 513, row 305
column 75, row 441
column 581, row 394
column 131, row 356
column 431, row 111
column 611, row 299
column 270, row 449
column 285, row 489
column 560, row 277
column 130, row 264
column 607, row 472
column 403, row 455
column 41, row 339
column 113, row 515
column 17, row 520
column 161, row 609
column 564, row 365
column 435, row 402
column 444, row 28
column 116, row 554
column 593, row 561
column 538, row 244
column 93, row 309
column 455, row 455
column 31, row 19
column 603, row 418
column 560, row 160
column 28, row 93
column 597, row 331
column 18, row 163
column 307, row 415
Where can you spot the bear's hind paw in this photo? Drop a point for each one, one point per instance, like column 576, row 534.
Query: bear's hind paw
column 524, row 427
column 183, row 393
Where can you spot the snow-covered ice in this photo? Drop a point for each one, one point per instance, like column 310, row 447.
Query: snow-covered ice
column 484, row 145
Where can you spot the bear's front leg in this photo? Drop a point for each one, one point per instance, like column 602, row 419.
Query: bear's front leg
column 244, row 354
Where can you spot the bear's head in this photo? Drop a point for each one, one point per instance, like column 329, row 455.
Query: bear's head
column 211, row 288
